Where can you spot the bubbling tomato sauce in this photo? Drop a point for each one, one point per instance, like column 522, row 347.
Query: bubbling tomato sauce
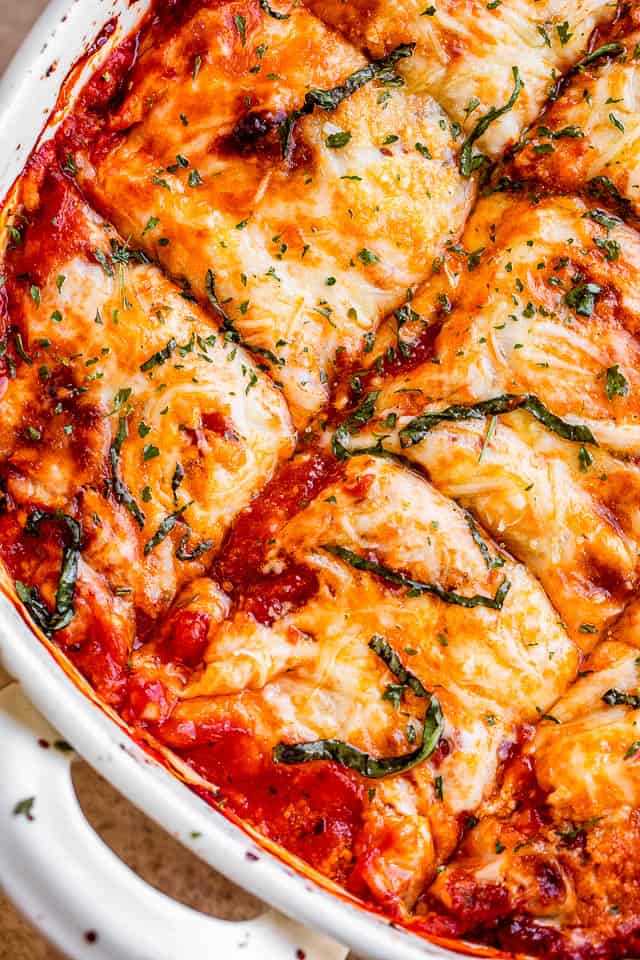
column 186, row 637
column 50, row 234
column 93, row 641
column 314, row 810
column 293, row 487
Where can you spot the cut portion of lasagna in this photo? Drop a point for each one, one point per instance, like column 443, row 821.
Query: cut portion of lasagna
column 491, row 65
column 125, row 411
column 589, row 138
column 555, row 864
column 380, row 629
column 524, row 393
column 297, row 188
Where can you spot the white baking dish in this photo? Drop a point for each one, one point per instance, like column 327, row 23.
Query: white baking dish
column 54, row 866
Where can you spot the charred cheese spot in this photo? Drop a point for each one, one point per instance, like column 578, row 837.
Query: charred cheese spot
column 308, row 252
column 466, row 51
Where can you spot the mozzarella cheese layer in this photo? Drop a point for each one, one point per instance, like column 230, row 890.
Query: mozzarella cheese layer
column 466, row 52
column 309, row 250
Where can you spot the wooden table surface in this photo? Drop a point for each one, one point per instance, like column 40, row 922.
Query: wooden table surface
column 143, row 846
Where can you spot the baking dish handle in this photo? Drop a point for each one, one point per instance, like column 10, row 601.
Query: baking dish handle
column 58, row 870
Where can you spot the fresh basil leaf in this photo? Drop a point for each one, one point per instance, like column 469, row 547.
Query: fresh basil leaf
column 355, row 759
column 616, row 384
column 183, row 554
column 383, row 649
column 418, row 587
column 331, row 99
column 120, row 490
column 165, row 528
column 39, row 612
column 160, row 357
column 582, row 298
column 616, row 698
column 469, row 162
column 606, row 50
column 491, row 562
column 67, row 581
column 176, row 480
column 417, row 429
column 351, row 425
column 273, row 13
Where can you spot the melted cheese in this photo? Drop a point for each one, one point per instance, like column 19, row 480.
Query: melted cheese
column 259, row 277
column 590, row 137
column 466, row 51
column 566, row 509
column 577, row 861
column 308, row 253
column 586, row 763
column 202, row 405
column 312, row 674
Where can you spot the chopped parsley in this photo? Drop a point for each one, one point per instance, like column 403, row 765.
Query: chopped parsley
column 616, row 384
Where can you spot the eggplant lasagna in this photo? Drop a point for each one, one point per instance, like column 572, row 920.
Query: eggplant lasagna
column 320, row 440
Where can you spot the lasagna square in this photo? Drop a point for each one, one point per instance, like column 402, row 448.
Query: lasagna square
column 378, row 628
column 491, row 65
column 516, row 388
column 589, row 138
column 123, row 409
column 301, row 202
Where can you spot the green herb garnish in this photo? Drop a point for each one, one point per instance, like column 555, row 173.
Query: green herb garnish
column 330, row 100
column 165, row 528
column 417, row 587
column 273, row 13
column 616, row 698
column 120, row 490
column 161, row 356
column 355, row 759
column 417, row 429
column 469, row 162
column 64, row 611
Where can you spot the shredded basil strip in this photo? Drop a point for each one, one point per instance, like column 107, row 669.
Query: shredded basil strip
column 120, row 490
column 355, row 759
column 491, row 562
column 160, row 357
column 273, row 13
column 381, row 646
column 262, row 352
column 165, row 528
column 469, row 162
column 183, row 554
column 331, row 99
column 616, row 698
column 30, row 597
column 606, row 50
column 178, row 477
column 210, row 287
column 350, row 426
column 229, row 327
column 417, row 429
column 418, row 587
column 65, row 593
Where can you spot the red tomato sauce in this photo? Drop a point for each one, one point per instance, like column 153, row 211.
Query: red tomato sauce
column 314, row 810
